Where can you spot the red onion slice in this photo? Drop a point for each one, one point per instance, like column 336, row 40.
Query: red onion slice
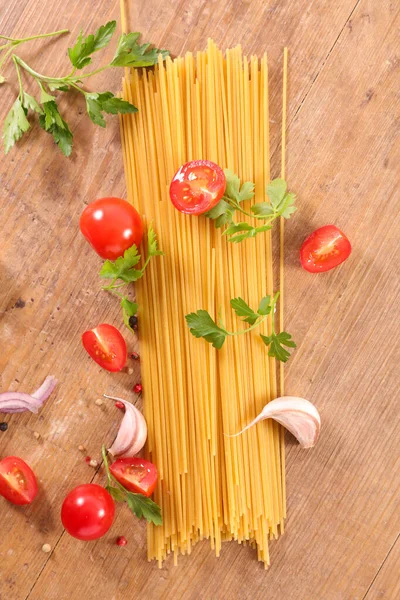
column 15, row 402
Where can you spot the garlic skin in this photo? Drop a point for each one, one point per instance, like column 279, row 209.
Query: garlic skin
column 297, row 415
column 132, row 433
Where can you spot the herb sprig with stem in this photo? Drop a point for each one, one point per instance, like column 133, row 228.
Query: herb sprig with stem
column 201, row 324
column 129, row 53
column 139, row 504
column 122, row 272
column 281, row 205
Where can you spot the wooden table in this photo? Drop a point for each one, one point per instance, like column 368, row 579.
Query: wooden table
column 342, row 535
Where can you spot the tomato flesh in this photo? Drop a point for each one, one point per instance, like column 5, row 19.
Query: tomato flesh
column 111, row 226
column 135, row 474
column 17, row 481
column 324, row 249
column 197, row 187
column 106, row 346
column 88, row 512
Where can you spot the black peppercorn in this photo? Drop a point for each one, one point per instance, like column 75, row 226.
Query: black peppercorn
column 3, row 426
column 133, row 322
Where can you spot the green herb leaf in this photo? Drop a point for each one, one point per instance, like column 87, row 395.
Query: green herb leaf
column 236, row 227
column 202, row 325
column 15, row 125
column 80, row 54
column 130, row 54
column 276, row 191
column 234, row 190
column 45, row 97
column 242, row 309
column 52, row 122
column 276, row 343
column 107, row 102
column 122, row 267
column 152, row 244
column 144, row 507
column 286, row 208
column 222, row 213
column 263, row 209
column 116, row 493
column 264, row 307
column 30, row 103
column 129, row 309
column 58, row 87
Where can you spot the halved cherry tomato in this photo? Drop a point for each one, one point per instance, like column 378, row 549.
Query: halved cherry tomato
column 135, row 474
column 111, row 225
column 17, row 481
column 197, row 187
column 324, row 249
column 88, row 512
column 106, row 346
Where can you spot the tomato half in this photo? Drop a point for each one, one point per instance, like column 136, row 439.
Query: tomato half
column 135, row 474
column 111, row 225
column 197, row 187
column 324, row 249
column 88, row 512
column 17, row 481
column 106, row 346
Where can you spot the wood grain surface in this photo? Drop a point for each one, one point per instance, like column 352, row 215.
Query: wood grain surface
column 342, row 534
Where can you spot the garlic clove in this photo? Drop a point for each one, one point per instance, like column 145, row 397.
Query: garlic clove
column 297, row 415
column 132, row 434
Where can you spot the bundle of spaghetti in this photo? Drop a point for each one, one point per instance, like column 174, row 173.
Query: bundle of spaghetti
column 210, row 485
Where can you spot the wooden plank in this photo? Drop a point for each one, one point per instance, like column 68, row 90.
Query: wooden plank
column 343, row 496
column 387, row 582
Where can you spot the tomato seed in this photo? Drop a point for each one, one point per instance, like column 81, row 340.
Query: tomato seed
column 121, row 541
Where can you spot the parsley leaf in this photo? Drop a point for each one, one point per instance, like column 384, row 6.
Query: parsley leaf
column 122, row 267
column 202, row 325
column 131, row 54
column 276, row 343
column 116, row 493
column 30, row 103
column 222, row 213
column 264, row 307
column 52, row 122
column 234, row 190
column 242, row 309
column 80, row 54
column 276, row 191
column 129, row 309
column 142, row 506
column 15, row 125
column 107, row 102
column 152, row 244
column 250, row 231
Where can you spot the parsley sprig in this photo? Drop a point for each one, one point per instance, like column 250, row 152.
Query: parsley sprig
column 122, row 271
column 139, row 504
column 129, row 53
column 202, row 325
column 281, row 205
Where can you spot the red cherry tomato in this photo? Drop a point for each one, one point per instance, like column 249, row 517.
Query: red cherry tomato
column 111, row 225
column 88, row 512
column 197, row 187
column 106, row 346
column 17, row 481
column 135, row 474
column 324, row 249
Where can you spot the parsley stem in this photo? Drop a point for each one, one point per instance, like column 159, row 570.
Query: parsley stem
column 273, row 304
column 34, row 37
column 86, row 75
column 19, row 76
column 77, row 88
column 7, row 54
column 35, row 73
column 256, row 324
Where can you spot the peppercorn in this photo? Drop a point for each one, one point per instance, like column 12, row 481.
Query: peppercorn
column 3, row 426
column 121, row 541
column 137, row 388
column 133, row 322
column 135, row 356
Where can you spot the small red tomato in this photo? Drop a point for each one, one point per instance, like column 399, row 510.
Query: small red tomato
column 135, row 474
column 111, row 226
column 197, row 187
column 106, row 346
column 17, row 481
column 88, row 512
column 324, row 249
